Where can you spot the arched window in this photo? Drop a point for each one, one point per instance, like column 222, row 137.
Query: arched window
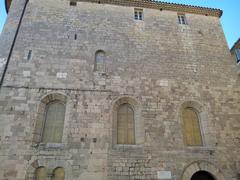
column 41, row 173
column 191, row 127
column 58, row 174
column 54, row 121
column 125, row 125
column 100, row 61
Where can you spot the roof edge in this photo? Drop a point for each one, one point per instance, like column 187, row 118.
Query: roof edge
column 235, row 44
column 154, row 4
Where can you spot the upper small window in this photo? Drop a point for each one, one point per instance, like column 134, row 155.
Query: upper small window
column 237, row 53
column 138, row 14
column 182, row 19
column 100, row 59
column 73, row 3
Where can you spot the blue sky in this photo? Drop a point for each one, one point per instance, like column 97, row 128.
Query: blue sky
column 230, row 19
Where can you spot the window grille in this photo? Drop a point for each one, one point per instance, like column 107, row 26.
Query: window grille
column 182, row 19
column 138, row 14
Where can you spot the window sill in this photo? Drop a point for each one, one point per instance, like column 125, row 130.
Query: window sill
column 51, row 146
column 200, row 149
column 127, row 146
column 139, row 22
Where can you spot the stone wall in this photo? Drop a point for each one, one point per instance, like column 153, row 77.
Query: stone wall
column 156, row 62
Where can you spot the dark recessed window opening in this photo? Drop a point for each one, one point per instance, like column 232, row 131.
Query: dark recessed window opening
column 29, row 55
column 100, row 61
column 75, row 37
column 182, row 19
column 138, row 14
column 237, row 53
column 202, row 175
column 73, row 3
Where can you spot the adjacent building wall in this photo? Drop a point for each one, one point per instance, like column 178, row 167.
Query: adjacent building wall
column 157, row 63
column 9, row 31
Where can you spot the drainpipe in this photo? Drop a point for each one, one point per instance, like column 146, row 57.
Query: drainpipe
column 13, row 44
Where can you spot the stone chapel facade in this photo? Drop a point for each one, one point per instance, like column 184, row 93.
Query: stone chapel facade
column 117, row 90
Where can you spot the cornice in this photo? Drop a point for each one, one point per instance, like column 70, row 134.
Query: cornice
column 183, row 8
column 154, row 5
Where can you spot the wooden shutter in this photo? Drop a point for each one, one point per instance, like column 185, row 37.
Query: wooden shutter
column 41, row 173
column 58, row 174
column 192, row 130
column 125, row 125
column 54, row 122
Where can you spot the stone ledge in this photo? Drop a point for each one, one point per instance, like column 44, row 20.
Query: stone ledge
column 127, row 147
column 51, row 146
column 200, row 149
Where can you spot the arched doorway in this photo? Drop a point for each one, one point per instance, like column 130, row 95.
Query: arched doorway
column 194, row 171
column 202, row 175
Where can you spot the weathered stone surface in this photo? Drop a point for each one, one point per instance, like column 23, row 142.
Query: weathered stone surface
column 158, row 63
